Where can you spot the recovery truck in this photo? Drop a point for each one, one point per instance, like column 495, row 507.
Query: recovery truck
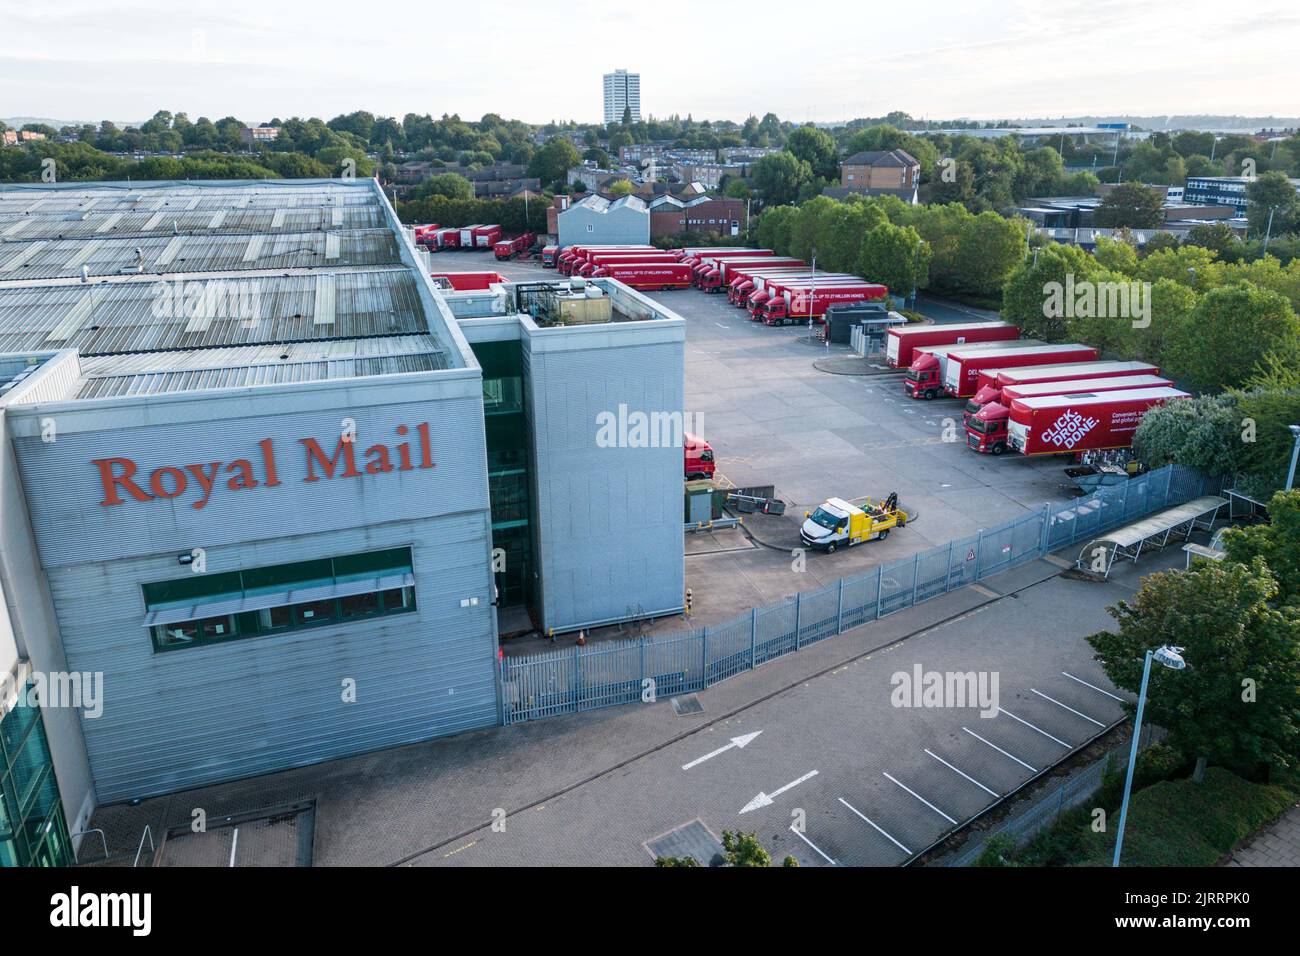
column 986, row 430
column 838, row 523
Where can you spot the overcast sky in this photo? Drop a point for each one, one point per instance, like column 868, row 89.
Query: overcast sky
column 725, row 59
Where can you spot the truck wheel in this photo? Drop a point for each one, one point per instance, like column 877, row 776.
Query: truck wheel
column 999, row 448
column 830, row 548
column 884, row 534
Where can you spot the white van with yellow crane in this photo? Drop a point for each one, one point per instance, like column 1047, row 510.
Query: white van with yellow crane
column 838, row 523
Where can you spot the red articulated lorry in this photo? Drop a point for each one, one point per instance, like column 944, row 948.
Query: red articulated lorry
column 518, row 246
column 575, row 256
column 991, row 380
column 424, row 234
column 961, row 374
column 694, row 253
column 766, row 285
column 703, row 264
column 796, row 301
column 482, row 238
column 924, row 378
column 699, row 457
column 900, row 342
column 1054, row 424
column 719, row 272
column 549, row 255
column 743, row 280
column 647, row 275
column 598, row 259
column 986, row 430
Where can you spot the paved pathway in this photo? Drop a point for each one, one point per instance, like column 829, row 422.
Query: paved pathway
column 1275, row 845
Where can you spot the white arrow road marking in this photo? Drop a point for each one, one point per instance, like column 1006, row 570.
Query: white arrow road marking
column 737, row 742
column 812, row 844
column 766, row 799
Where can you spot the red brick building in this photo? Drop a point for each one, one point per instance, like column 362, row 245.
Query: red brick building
column 670, row 216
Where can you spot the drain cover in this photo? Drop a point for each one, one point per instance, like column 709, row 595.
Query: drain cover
column 685, row 706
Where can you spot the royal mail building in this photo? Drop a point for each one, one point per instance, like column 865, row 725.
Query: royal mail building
column 250, row 497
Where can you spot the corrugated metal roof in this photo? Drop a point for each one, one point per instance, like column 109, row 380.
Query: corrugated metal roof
column 110, row 376
column 214, row 269
column 64, row 258
column 147, row 316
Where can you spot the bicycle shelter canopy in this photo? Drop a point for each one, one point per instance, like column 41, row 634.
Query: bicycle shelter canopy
column 1154, row 531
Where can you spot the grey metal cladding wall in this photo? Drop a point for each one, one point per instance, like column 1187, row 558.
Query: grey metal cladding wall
column 618, row 227
column 190, row 717
column 609, row 519
column 64, row 489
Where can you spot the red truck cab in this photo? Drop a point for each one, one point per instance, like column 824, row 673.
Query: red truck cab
column 986, row 430
column 922, row 379
column 699, row 457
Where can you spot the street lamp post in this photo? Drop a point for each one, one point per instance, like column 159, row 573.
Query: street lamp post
column 1268, row 232
column 1172, row 658
column 1295, row 453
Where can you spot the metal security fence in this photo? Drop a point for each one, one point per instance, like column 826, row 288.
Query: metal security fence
column 621, row 672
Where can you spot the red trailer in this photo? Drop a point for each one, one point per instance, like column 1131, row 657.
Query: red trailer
column 448, row 238
column 991, row 380
column 702, row 264
column 575, row 255
column 1053, row 424
column 549, row 255
column 744, row 280
column 902, row 341
column 647, row 275
column 718, row 272
column 986, row 430
column 794, row 303
column 622, row 257
column 518, row 246
column 424, row 234
column 483, row 237
column 767, row 286
column 961, row 374
column 466, row 281
column 694, row 253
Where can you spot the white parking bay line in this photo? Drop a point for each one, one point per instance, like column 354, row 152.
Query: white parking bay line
column 1000, row 750
column 873, row 826
column 1093, row 686
column 923, row 800
column 961, row 773
column 1032, row 727
column 1070, row 709
column 811, row 844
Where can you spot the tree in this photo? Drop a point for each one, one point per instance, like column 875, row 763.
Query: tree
column 1025, row 295
column 1204, row 433
column 1236, row 702
column 619, row 140
column 1276, row 542
column 622, row 187
column 990, row 247
column 896, row 256
column 1217, row 237
column 451, row 185
column 778, row 176
column 1133, row 205
column 737, row 189
column 1231, row 328
column 774, row 227
column 598, row 156
column 551, row 163
column 627, row 116
column 817, row 149
column 1273, row 193
column 1265, row 459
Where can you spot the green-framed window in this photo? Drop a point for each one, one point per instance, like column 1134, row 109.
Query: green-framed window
column 206, row 609
column 32, row 828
